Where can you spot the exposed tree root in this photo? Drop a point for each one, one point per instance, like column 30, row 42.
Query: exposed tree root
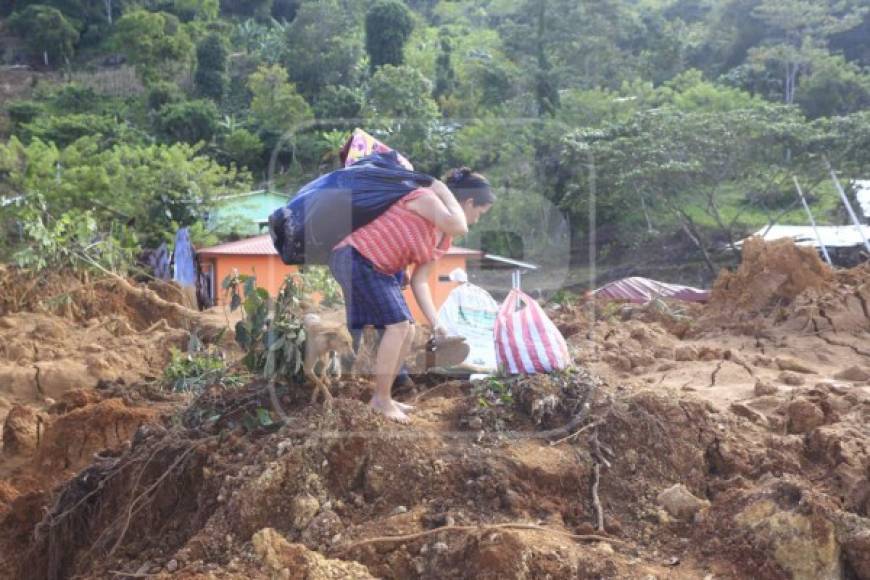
column 481, row 528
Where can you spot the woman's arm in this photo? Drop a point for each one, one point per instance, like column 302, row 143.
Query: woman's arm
column 441, row 209
column 422, row 292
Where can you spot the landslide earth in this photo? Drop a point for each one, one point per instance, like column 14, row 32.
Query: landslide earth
column 720, row 441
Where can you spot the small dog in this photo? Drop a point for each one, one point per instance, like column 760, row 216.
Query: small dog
column 325, row 344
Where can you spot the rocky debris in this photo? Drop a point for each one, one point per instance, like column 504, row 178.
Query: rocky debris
column 764, row 388
column 685, row 352
column 787, row 363
column 790, row 378
column 856, row 545
column 21, row 430
column 803, row 544
column 323, row 527
column 305, row 507
column 680, row 503
column 770, row 274
column 804, row 416
column 853, row 374
column 748, row 412
column 286, row 561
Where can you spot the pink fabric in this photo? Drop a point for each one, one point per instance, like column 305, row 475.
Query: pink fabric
column 399, row 238
column 362, row 144
column 641, row 290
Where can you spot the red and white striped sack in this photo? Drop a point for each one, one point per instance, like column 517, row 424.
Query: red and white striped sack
column 526, row 340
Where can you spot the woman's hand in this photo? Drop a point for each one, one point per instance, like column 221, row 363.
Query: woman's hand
column 439, row 332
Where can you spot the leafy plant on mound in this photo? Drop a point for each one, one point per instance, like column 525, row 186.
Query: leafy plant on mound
column 271, row 332
column 200, row 367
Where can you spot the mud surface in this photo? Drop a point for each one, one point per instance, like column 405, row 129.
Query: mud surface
column 723, row 441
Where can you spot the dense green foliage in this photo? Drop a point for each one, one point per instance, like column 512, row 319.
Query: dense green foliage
column 655, row 119
column 388, row 26
column 211, row 68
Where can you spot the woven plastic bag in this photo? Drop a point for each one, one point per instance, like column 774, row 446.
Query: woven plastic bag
column 470, row 312
column 526, row 340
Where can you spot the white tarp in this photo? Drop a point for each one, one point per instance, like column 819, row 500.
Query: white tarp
column 862, row 193
column 832, row 236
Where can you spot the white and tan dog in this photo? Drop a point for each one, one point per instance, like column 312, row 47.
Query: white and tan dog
column 325, row 344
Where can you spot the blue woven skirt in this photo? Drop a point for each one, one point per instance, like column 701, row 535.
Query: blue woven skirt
column 370, row 297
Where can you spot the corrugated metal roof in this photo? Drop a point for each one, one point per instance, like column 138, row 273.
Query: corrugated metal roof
column 832, row 236
column 262, row 246
column 256, row 246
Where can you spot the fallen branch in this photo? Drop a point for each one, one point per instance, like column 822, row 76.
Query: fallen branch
column 505, row 526
column 579, row 417
column 596, row 501
column 576, row 433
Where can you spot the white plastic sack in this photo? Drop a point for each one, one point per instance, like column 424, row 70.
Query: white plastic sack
column 470, row 311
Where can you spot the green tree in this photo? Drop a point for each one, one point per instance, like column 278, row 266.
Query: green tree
column 703, row 171
column 388, row 26
column 323, row 47
column 401, row 105
column 244, row 148
column 799, row 32
column 64, row 130
column 46, row 31
column 337, row 103
column 275, row 104
column 189, row 121
column 156, row 188
column 155, row 42
column 188, row 10
column 445, row 75
column 259, row 9
column 211, row 67
column 833, row 87
column 163, row 93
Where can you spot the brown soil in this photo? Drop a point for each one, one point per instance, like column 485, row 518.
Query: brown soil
column 744, row 411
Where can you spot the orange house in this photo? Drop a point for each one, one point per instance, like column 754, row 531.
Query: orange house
column 257, row 256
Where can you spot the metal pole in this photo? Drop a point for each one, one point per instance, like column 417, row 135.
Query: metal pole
column 813, row 222
column 848, row 205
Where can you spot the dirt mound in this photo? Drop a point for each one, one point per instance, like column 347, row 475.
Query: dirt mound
column 60, row 332
column 42, row 355
column 345, row 493
column 770, row 275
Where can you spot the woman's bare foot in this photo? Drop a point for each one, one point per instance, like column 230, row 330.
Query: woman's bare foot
column 404, row 407
column 390, row 410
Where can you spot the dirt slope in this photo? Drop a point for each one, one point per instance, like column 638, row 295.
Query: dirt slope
column 726, row 441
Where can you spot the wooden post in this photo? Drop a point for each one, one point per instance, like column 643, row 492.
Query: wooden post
column 812, row 221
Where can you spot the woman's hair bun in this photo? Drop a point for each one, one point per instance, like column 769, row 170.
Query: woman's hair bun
column 459, row 174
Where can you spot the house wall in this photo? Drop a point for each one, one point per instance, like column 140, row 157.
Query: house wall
column 270, row 273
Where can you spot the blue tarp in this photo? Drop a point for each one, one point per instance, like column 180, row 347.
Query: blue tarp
column 329, row 208
column 185, row 264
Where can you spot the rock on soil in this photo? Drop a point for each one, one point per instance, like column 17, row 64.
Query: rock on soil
column 804, row 416
column 21, row 430
column 764, row 388
column 284, row 560
column 793, row 379
column 787, row 363
column 854, row 374
column 680, row 503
